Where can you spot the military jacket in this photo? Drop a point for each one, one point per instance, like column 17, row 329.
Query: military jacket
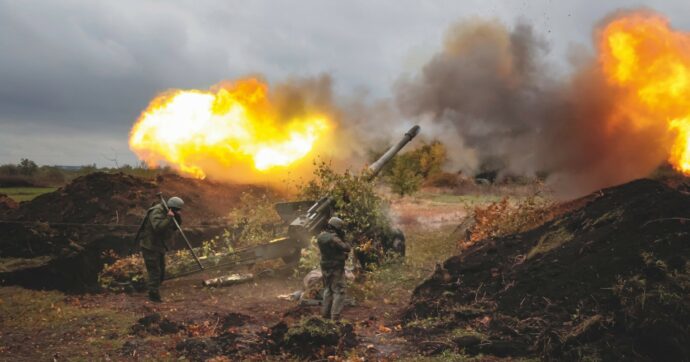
column 333, row 249
column 157, row 229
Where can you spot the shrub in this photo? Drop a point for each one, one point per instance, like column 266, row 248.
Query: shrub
column 404, row 178
column 52, row 175
column 15, row 181
column 408, row 170
column 355, row 200
column 501, row 218
column 443, row 179
column 9, row 170
column 253, row 214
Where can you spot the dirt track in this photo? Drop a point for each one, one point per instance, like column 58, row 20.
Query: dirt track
column 200, row 310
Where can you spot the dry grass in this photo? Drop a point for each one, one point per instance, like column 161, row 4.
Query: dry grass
column 395, row 280
column 43, row 325
column 505, row 218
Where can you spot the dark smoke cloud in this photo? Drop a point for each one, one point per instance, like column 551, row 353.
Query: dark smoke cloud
column 506, row 107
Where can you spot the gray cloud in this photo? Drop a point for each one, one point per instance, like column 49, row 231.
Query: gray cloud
column 85, row 69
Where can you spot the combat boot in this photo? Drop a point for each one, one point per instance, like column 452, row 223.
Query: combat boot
column 155, row 297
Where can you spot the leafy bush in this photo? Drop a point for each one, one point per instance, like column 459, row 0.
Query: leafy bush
column 410, row 169
column 356, row 202
column 254, row 214
column 404, row 178
column 125, row 274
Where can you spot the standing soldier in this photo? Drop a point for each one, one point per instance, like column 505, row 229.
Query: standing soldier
column 158, row 227
column 334, row 251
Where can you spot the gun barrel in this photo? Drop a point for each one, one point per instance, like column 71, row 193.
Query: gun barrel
column 377, row 166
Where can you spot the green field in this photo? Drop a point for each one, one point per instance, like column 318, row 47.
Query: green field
column 458, row 199
column 25, row 193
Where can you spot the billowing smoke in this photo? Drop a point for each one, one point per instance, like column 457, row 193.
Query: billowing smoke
column 488, row 95
column 491, row 88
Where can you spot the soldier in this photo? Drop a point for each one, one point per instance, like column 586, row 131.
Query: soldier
column 334, row 251
column 158, row 227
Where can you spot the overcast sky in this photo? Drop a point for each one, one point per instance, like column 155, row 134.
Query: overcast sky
column 74, row 75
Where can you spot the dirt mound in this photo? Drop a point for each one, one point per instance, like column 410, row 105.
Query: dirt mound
column 154, row 324
column 7, row 205
column 608, row 280
column 122, row 199
column 66, row 227
column 314, row 336
column 309, row 338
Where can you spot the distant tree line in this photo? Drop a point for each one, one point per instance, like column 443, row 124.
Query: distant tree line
column 27, row 173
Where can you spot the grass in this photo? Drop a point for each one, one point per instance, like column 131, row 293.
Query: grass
column 20, row 194
column 397, row 280
column 60, row 324
column 459, row 199
column 550, row 241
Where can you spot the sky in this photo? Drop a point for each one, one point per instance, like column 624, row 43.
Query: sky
column 75, row 75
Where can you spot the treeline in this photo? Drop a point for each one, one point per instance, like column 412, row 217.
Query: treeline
column 423, row 166
column 427, row 166
column 27, row 173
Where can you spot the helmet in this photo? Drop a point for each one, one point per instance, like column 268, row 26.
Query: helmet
column 175, row 203
column 336, row 222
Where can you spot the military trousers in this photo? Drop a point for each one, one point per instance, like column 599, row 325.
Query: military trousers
column 333, row 290
column 155, row 268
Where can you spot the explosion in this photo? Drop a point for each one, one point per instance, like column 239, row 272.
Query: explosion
column 234, row 126
column 650, row 63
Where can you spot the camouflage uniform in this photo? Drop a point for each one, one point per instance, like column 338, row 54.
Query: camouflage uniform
column 156, row 229
column 333, row 255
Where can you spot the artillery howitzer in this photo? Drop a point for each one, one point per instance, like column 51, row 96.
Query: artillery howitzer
column 302, row 226
column 304, row 219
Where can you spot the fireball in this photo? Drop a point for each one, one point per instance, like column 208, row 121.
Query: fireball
column 233, row 125
column 647, row 60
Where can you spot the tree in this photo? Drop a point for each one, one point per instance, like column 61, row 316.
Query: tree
column 431, row 158
column 405, row 177
column 27, row 167
column 408, row 170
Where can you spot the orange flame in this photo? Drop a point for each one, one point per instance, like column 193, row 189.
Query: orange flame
column 235, row 123
column 650, row 63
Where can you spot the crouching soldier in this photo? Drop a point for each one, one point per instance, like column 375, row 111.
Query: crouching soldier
column 334, row 252
column 157, row 228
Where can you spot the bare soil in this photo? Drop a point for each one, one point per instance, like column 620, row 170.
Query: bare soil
column 190, row 315
column 606, row 278
column 606, row 281
column 65, row 237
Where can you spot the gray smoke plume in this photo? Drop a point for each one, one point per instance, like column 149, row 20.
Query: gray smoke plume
column 490, row 86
